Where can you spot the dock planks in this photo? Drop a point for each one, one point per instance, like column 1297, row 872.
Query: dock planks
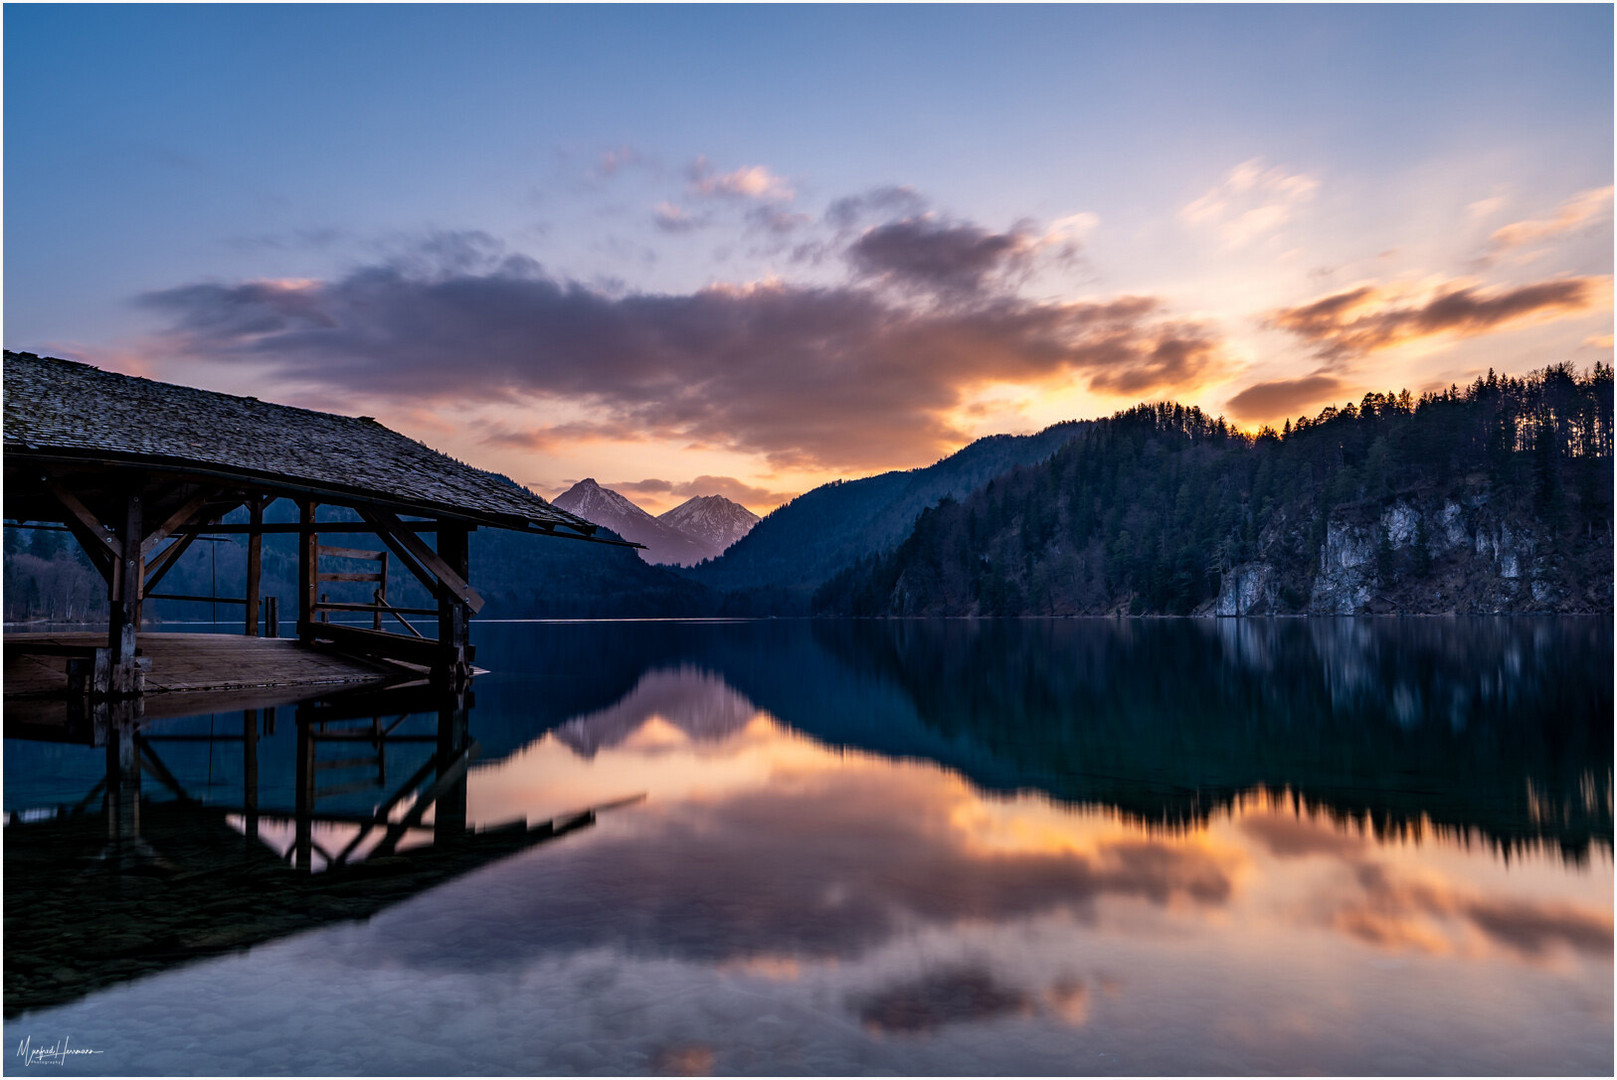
column 196, row 663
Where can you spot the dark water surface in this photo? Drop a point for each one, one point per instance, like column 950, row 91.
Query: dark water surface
column 1000, row 847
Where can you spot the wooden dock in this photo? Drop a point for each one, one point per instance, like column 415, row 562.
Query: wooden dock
column 193, row 673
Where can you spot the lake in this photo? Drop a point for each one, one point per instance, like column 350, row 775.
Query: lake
column 1345, row 846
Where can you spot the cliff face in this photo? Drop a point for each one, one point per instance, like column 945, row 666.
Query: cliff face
column 1433, row 555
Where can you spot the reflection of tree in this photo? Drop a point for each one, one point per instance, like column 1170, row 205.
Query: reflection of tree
column 1503, row 726
column 1498, row 725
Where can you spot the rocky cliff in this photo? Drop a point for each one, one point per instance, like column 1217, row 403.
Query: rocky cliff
column 1431, row 555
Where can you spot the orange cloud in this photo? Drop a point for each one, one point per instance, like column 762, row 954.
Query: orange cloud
column 747, row 182
column 1283, row 397
column 820, row 378
column 1583, row 208
column 1370, row 317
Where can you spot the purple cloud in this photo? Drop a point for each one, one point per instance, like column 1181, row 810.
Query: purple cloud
column 829, row 377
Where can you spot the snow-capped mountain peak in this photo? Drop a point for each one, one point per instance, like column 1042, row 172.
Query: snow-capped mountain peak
column 714, row 520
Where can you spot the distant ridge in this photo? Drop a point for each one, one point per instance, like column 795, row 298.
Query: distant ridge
column 697, row 529
column 801, row 544
column 603, row 506
column 712, row 520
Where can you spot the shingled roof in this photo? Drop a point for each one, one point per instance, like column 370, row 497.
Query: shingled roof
column 63, row 410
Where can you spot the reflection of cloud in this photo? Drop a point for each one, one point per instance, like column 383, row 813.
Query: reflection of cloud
column 951, row 996
column 1390, row 910
column 1290, row 836
column 1393, row 912
column 831, row 870
column 806, row 376
column 684, row 1059
column 1533, row 928
column 1068, row 998
column 1370, row 317
column 1282, row 397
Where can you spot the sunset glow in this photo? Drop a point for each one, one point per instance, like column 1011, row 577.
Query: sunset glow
column 750, row 250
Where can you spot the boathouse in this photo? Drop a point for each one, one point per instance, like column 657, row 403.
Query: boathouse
column 137, row 470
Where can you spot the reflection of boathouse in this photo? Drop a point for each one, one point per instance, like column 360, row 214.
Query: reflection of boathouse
column 109, row 884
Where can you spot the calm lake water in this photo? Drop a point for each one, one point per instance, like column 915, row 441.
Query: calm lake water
column 1000, row 847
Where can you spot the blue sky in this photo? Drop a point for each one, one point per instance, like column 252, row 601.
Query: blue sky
column 748, row 249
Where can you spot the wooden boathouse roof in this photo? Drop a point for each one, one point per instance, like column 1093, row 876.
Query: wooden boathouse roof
column 64, row 413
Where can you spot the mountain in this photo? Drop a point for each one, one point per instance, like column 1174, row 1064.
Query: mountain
column 1492, row 499
column 605, row 507
column 775, row 568
column 712, row 520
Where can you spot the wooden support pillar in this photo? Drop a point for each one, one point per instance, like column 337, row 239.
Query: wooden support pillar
column 255, row 560
column 454, row 618
column 123, row 623
column 308, row 570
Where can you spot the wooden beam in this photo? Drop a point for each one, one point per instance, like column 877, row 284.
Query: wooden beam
column 166, row 559
column 447, row 577
column 278, row 528
column 363, row 641
column 90, row 531
column 180, row 517
column 94, row 549
column 418, row 571
column 349, row 553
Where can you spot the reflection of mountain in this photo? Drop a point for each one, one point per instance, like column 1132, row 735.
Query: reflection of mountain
column 696, row 702
column 1497, row 725
column 1503, row 726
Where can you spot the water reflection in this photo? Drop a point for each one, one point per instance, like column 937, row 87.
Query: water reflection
column 1006, row 847
column 121, row 884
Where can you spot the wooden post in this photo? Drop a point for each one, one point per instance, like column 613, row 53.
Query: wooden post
column 255, row 560
column 272, row 616
column 123, row 622
column 381, row 592
column 454, row 630
column 308, row 570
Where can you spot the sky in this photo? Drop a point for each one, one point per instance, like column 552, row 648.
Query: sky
column 748, row 250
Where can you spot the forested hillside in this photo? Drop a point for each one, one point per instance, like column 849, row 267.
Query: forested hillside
column 775, row 568
column 1492, row 498
column 1497, row 497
